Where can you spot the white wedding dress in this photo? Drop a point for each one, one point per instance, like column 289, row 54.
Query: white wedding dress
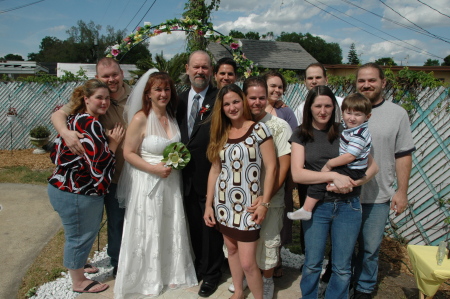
column 155, row 254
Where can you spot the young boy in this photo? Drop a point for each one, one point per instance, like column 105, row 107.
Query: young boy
column 354, row 149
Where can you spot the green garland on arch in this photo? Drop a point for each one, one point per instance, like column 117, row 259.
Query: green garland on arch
column 246, row 67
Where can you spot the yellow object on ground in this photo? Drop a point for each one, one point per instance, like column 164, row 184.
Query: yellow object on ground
column 428, row 274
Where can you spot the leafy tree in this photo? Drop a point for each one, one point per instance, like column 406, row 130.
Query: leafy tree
column 431, row 62
column 268, row 36
column 85, row 44
column 174, row 67
column 53, row 49
column 327, row 53
column 352, row 56
column 385, row 61
column 198, row 10
column 13, row 57
column 446, row 61
column 236, row 34
column 252, row 35
column 249, row 35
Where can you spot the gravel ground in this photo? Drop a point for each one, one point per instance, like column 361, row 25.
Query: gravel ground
column 62, row 287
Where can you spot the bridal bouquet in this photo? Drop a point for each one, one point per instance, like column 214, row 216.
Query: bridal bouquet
column 176, row 155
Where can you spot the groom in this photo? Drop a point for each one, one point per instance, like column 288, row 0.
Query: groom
column 194, row 107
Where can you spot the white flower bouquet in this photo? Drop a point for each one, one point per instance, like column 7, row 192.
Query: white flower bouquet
column 176, row 155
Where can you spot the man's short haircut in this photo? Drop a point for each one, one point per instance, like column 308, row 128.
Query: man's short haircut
column 357, row 102
column 371, row 65
column 317, row 64
column 198, row 52
column 106, row 61
column 225, row 60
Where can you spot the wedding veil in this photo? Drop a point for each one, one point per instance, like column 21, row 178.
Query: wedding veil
column 134, row 103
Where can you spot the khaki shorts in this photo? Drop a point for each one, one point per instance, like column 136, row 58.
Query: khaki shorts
column 267, row 251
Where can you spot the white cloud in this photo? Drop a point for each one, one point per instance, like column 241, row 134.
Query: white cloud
column 169, row 44
column 417, row 13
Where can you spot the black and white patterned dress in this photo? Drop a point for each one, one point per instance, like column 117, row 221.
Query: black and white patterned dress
column 238, row 184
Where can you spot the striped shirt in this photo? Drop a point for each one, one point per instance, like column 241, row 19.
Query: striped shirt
column 356, row 141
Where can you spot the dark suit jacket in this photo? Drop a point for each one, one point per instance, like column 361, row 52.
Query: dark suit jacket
column 195, row 174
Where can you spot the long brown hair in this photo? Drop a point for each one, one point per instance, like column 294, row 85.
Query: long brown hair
column 85, row 90
column 221, row 124
column 152, row 80
column 306, row 128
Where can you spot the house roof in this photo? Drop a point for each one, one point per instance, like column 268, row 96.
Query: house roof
column 21, row 67
column 269, row 54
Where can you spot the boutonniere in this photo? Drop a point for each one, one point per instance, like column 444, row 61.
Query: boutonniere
column 203, row 111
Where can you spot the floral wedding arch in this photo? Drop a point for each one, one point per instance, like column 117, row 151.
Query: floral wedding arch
column 246, row 67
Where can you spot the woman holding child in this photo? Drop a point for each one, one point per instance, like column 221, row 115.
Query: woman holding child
column 314, row 143
column 238, row 150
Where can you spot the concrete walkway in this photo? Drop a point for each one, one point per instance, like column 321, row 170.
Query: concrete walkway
column 286, row 287
column 27, row 223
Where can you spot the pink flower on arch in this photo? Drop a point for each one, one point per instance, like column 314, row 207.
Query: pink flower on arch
column 200, row 32
column 157, row 31
column 127, row 39
column 234, row 46
column 174, row 28
column 115, row 52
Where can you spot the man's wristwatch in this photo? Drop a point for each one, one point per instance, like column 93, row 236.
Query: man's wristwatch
column 266, row 204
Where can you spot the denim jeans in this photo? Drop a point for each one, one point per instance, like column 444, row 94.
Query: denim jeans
column 374, row 218
column 343, row 220
column 115, row 216
column 81, row 216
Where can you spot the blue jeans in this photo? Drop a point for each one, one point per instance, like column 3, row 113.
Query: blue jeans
column 81, row 216
column 343, row 220
column 374, row 218
column 115, row 216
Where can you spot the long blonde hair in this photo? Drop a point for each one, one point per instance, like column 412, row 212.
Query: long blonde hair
column 221, row 124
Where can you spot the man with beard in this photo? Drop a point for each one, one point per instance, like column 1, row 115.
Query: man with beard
column 392, row 150
column 194, row 107
column 109, row 71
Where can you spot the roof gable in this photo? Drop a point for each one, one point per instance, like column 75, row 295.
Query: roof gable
column 269, row 54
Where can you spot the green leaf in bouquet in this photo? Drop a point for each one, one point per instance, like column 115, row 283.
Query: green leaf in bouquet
column 176, row 155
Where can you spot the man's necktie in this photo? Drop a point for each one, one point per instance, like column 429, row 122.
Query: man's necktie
column 193, row 116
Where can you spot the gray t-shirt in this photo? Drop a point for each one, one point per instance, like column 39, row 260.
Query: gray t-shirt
column 317, row 153
column 391, row 138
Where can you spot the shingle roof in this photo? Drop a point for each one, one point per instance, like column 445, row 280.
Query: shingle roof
column 269, row 54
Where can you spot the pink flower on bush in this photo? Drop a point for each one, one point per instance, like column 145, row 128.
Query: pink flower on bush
column 127, row 39
column 139, row 28
column 200, row 32
column 234, row 46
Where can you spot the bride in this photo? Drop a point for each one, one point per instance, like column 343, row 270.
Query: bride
column 155, row 251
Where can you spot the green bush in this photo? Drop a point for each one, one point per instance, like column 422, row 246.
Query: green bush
column 40, row 132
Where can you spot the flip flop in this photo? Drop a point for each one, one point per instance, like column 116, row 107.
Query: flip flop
column 278, row 272
column 92, row 284
column 89, row 269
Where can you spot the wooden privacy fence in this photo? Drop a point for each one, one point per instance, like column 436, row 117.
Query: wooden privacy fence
column 424, row 222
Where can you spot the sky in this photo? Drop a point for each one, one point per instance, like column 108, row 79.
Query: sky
column 409, row 31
